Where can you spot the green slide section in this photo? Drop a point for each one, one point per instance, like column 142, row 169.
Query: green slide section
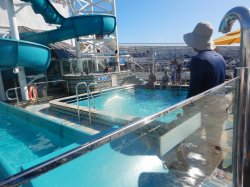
column 21, row 53
column 37, row 57
column 72, row 27
column 47, row 10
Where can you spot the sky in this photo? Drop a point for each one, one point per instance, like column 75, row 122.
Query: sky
column 165, row 21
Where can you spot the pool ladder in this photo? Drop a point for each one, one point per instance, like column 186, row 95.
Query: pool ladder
column 88, row 94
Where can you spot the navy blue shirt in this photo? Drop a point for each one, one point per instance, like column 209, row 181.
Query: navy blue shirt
column 207, row 69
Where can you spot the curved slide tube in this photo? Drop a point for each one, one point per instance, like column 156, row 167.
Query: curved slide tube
column 21, row 53
column 47, row 10
column 74, row 27
column 37, row 57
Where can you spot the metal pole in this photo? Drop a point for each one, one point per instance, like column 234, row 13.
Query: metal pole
column 61, row 68
column 77, row 97
column 12, row 19
column 90, row 122
column 77, row 101
column 17, row 98
column 67, row 86
column 15, row 35
column 242, row 14
column 2, row 93
column 96, row 64
column 153, row 62
column 117, row 59
column 239, row 127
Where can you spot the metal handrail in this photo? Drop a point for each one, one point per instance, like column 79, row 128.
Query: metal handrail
column 132, row 61
column 125, row 76
column 77, row 98
column 37, row 83
column 241, row 161
column 93, row 100
column 31, row 173
column 16, row 98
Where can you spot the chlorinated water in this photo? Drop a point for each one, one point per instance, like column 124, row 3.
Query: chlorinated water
column 137, row 102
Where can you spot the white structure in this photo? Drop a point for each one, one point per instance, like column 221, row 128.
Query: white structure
column 95, row 45
column 25, row 16
column 16, row 13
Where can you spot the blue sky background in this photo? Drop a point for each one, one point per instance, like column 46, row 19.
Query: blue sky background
column 165, row 21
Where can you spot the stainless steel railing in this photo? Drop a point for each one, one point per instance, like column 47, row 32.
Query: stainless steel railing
column 242, row 157
column 16, row 94
column 48, row 165
column 77, row 97
column 89, row 93
column 93, row 100
column 35, row 84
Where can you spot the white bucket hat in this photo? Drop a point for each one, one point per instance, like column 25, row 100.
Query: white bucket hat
column 200, row 38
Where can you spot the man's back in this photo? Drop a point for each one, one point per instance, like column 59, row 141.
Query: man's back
column 207, row 70
column 165, row 78
column 152, row 77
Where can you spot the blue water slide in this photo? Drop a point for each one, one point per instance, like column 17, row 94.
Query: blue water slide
column 22, row 53
column 72, row 27
column 47, row 10
column 37, row 57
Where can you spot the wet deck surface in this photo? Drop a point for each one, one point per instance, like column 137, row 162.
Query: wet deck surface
column 195, row 163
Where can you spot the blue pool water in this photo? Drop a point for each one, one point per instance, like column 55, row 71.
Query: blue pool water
column 25, row 138
column 136, row 102
column 22, row 142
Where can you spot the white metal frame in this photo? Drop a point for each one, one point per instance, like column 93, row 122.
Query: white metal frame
column 4, row 32
column 92, row 44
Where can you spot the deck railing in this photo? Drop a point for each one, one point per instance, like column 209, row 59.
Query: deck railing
column 242, row 15
column 183, row 119
column 77, row 96
column 32, row 84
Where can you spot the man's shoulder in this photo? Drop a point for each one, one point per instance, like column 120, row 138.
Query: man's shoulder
column 207, row 56
column 196, row 59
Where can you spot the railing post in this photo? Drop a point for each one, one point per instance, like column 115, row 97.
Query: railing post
column 67, row 86
column 242, row 165
column 77, row 97
column 37, row 92
column 88, row 93
column 17, row 98
column 241, row 133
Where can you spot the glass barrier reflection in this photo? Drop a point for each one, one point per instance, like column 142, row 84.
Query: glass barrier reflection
column 188, row 144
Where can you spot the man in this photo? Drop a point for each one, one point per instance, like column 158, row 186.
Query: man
column 178, row 74
column 165, row 80
column 207, row 70
column 151, row 80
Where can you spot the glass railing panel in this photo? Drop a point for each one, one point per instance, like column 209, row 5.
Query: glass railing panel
column 96, row 64
column 188, row 144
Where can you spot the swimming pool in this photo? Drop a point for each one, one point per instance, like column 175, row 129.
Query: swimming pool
column 139, row 158
column 138, row 102
column 121, row 105
column 25, row 138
